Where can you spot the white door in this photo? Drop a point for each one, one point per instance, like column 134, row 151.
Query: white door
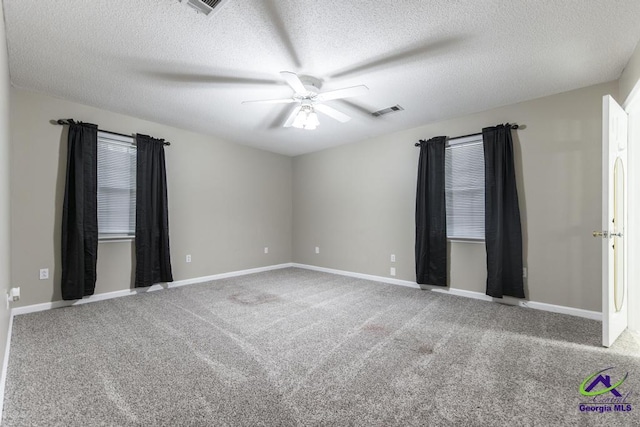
column 614, row 220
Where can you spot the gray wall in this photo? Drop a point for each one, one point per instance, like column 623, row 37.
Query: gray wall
column 5, row 208
column 357, row 202
column 630, row 75
column 226, row 201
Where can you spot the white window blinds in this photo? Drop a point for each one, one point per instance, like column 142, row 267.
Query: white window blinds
column 464, row 188
column 116, row 186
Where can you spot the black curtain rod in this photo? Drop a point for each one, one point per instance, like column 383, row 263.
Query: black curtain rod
column 417, row 144
column 64, row 122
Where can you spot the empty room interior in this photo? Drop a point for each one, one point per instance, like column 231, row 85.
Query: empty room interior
column 287, row 213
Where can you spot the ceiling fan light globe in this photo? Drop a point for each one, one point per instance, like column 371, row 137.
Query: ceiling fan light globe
column 310, row 126
column 306, row 118
column 312, row 120
column 300, row 120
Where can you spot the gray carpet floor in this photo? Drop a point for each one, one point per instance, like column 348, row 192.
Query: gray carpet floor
column 293, row 347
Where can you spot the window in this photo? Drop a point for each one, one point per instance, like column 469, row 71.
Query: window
column 464, row 188
column 116, row 186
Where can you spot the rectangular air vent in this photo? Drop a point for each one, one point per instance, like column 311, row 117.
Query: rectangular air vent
column 205, row 7
column 387, row 110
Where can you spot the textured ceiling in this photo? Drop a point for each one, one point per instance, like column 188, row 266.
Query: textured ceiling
column 159, row 60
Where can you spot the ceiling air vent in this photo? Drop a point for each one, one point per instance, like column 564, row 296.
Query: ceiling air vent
column 387, row 111
column 205, row 7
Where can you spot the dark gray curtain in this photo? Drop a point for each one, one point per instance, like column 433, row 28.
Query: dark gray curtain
column 503, row 234
column 153, row 262
column 80, row 212
column 431, row 218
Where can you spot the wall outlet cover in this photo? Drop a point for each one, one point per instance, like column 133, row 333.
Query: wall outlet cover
column 44, row 273
column 14, row 294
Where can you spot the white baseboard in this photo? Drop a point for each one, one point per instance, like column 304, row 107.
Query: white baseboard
column 358, row 275
column 593, row 315
column 5, row 363
column 126, row 292
column 227, row 275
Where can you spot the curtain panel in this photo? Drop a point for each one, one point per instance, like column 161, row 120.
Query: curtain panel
column 153, row 261
column 431, row 218
column 80, row 212
column 503, row 234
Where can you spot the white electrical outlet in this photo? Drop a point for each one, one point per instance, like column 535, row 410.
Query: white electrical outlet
column 44, row 273
column 392, row 272
column 317, row 249
column 524, row 272
column 266, row 249
column 188, row 258
column 13, row 294
column 393, row 257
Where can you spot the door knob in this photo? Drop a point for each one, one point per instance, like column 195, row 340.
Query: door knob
column 603, row 234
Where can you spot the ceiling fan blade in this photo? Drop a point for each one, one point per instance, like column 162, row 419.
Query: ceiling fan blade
column 332, row 112
column 292, row 116
column 347, row 92
column 293, row 80
column 271, row 101
column 209, row 79
column 402, row 57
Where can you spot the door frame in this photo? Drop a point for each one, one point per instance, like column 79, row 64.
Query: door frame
column 632, row 106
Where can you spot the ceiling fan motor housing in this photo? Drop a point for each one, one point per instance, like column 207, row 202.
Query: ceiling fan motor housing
column 312, row 84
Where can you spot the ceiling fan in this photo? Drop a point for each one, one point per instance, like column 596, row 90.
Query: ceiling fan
column 309, row 100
